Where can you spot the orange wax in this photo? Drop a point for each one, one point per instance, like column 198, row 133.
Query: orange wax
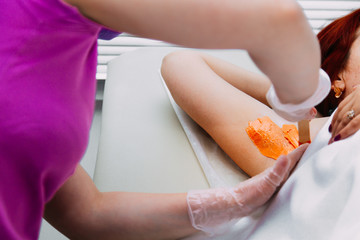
column 271, row 140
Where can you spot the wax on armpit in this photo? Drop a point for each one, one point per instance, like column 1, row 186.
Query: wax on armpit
column 271, row 140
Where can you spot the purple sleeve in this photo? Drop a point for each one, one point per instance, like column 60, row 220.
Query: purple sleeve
column 107, row 34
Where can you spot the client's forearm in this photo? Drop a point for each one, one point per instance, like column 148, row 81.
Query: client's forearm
column 80, row 211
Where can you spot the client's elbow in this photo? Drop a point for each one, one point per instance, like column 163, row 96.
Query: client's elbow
column 167, row 64
column 173, row 63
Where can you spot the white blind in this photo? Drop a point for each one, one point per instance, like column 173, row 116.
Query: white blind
column 319, row 13
column 108, row 50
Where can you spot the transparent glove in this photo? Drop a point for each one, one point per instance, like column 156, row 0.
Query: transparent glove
column 304, row 110
column 212, row 210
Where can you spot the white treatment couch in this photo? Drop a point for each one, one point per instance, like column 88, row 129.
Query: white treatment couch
column 143, row 147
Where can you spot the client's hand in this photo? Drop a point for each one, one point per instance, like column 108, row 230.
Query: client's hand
column 209, row 209
column 346, row 119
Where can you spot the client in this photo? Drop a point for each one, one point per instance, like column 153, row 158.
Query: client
column 233, row 96
column 320, row 200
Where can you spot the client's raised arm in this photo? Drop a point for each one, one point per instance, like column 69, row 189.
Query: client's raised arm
column 222, row 98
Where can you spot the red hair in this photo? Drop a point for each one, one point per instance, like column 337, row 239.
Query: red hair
column 335, row 43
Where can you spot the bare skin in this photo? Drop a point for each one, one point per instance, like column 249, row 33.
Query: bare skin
column 80, row 211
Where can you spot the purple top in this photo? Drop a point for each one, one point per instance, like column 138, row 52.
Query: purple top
column 48, row 58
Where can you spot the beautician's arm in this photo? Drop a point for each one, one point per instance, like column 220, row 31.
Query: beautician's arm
column 80, row 211
column 275, row 33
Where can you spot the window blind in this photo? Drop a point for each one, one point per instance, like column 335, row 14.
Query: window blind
column 319, row 13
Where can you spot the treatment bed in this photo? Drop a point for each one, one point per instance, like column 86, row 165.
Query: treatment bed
column 148, row 144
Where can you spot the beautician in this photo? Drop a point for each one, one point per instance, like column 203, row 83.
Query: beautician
column 48, row 54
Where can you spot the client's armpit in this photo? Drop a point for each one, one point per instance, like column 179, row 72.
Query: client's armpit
column 271, row 140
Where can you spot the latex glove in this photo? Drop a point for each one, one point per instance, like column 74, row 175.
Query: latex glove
column 342, row 125
column 304, row 110
column 210, row 210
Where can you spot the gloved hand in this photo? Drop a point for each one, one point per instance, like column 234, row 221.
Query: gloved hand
column 209, row 210
column 304, row 110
